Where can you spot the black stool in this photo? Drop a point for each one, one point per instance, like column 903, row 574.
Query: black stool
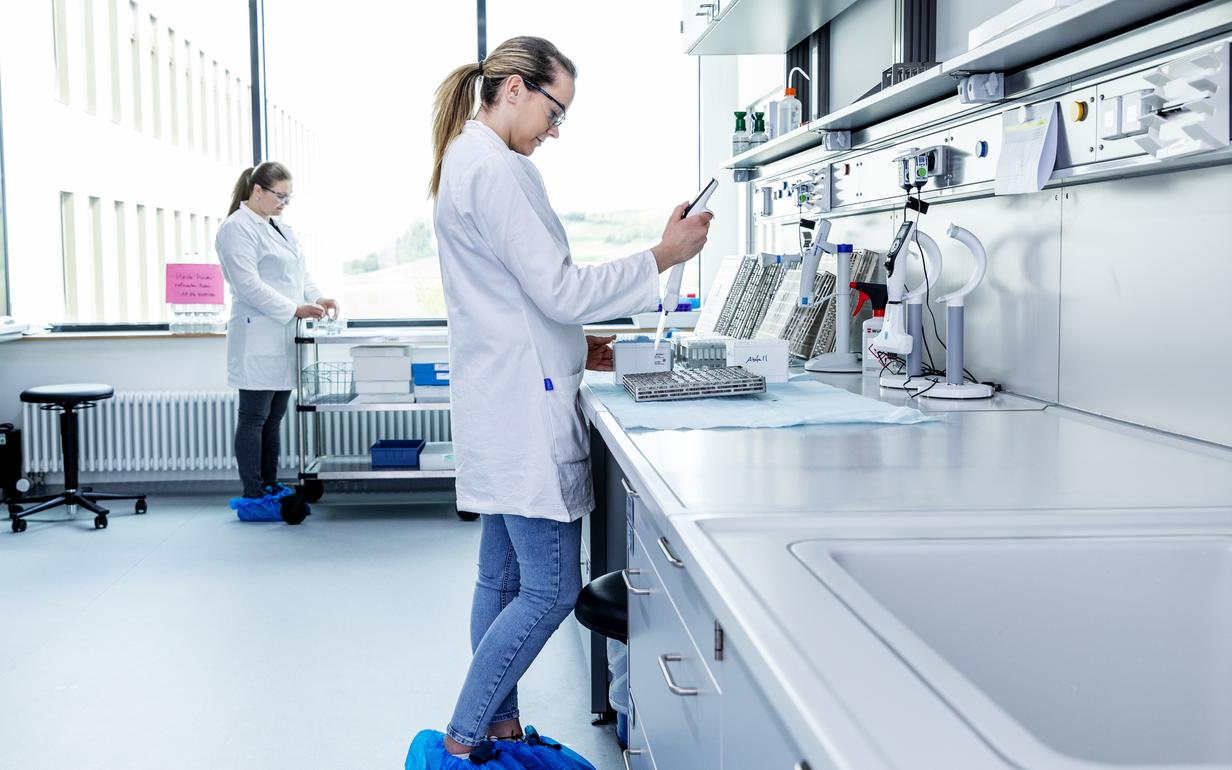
column 603, row 607
column 68, row 400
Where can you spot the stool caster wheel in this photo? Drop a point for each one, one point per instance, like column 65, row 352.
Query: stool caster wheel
column 100, row 522
column 467, row 516
column 19, row 525
column 140, row 507
column 312, row 490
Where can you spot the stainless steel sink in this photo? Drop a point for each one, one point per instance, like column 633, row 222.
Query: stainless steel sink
column 1060, row 652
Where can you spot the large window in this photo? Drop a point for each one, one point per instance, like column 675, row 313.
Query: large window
column 107, row 172
column 126, row 123
column 350, row 90
column 628, row 152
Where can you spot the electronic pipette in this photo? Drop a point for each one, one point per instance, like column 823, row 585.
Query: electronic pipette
column 671, row 294
column 914, row 300
column 893, row 337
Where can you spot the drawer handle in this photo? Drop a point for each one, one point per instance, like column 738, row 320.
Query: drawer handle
column 630, row 753
column 667, row 675
column 628, row 489
column 624, row 575
column 667, row 552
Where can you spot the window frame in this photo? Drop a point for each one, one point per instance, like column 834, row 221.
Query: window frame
column 260, row 141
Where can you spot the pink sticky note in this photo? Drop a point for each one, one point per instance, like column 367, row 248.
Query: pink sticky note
column 192, row 284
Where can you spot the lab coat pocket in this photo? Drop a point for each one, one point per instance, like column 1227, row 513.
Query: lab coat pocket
column 267, row 337
column 570, row 441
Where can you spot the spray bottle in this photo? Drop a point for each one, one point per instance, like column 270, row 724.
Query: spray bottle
column 878, row 295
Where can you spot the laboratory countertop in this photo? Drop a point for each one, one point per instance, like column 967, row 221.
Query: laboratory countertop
column 734, row 502
column 1015, row 453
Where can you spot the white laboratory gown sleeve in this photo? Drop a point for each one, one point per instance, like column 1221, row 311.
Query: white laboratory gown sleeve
column 526, row 236
column 240, row 252
column 311, row 292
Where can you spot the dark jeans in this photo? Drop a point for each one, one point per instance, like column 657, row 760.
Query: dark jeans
column 256, row 438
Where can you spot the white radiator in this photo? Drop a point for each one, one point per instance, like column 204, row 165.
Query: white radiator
column 138, row 431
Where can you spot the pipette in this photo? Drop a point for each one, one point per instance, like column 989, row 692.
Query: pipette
column 671, row 294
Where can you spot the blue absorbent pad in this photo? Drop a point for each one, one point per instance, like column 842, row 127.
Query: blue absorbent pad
column 799, row 402
column 427, row 752
column 266, row 508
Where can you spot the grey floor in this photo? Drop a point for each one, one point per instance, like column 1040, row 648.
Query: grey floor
column 187, row 639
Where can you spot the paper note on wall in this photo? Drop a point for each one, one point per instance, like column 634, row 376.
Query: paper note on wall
column 195, row 284
column 1028, row 150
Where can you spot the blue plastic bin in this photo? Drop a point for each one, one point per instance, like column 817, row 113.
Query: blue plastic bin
column 397, row 453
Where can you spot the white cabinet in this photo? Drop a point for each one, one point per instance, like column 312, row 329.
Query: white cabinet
column 677, row 701
column 695, row 17
column 751, row 735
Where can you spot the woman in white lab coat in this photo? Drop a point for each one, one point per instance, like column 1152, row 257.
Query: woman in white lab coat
column 270, row 288
column 516, row 303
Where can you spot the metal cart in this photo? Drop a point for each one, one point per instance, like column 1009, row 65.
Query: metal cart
column 328, row 386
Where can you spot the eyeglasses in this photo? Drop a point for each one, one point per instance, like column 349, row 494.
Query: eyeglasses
column 556, row 117
column 283, row 198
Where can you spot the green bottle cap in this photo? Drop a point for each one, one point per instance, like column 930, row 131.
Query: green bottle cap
column 740, row 124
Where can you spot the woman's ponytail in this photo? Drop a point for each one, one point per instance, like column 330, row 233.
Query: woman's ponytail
column 243, row 189
column 455, row 104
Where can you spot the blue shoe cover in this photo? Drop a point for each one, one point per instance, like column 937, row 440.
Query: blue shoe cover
column 266, row 508
column 428, row 753
column 537, row 752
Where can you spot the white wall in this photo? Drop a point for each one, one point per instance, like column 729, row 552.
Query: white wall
column 148, row 363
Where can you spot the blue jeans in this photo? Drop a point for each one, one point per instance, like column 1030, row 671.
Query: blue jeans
column 529, row 579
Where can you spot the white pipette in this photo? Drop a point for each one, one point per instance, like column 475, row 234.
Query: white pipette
column 671, row 293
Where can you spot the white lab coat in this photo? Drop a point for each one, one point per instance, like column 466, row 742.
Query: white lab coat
column 516, row 303
column 269, row 281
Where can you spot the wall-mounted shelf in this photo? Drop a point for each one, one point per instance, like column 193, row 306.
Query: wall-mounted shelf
column 927, row 87
column 764, row 26
column 1061, row 32
column 1084, row 23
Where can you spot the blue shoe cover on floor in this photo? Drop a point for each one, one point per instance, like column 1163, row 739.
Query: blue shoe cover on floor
column 428, row 753
column 266, row 508
column 538, row 752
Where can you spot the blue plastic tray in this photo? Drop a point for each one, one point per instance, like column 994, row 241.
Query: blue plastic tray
column 397, row 453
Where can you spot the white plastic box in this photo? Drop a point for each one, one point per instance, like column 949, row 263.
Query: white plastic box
column 638, row 356
column 767, row 357
column 381, row 368
column 368, row 387
column 429, row 354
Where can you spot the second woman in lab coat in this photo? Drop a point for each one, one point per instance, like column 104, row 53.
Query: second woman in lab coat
column 270, row 289
column 516, row 303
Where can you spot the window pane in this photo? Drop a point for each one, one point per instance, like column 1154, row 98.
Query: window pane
column 628, row 152
column 354, row 127
column 95, row 150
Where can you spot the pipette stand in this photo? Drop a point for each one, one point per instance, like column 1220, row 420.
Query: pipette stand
column 842, row 360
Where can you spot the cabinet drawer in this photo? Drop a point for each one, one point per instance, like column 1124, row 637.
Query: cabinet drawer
column 672, row 563
column 677, row 702
column 638, row 755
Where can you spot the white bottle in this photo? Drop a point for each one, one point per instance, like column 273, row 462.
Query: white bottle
column 788, row 112
column 871, row 327
column 740, row 139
